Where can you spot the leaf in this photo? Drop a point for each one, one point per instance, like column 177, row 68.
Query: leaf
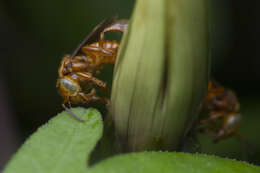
column 166, row 162
column 63, row 145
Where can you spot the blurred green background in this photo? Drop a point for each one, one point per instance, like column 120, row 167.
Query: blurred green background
column 36, row 34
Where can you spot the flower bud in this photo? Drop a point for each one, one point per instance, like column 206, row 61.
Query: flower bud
column 161, row 74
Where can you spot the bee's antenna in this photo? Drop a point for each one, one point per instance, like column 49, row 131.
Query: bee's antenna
column 72, row 114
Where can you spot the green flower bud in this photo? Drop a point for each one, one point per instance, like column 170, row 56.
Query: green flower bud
column 161, row 74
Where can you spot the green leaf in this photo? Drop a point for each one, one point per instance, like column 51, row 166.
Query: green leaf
column 157, row 162
column 63, row 145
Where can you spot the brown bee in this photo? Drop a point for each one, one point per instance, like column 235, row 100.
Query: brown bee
column 76, row 82
column 222, row 107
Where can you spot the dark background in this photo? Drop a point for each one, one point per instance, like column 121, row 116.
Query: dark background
column 36, row 34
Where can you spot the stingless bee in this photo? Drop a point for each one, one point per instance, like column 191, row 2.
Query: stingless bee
column 222, row 107
column 76, row 82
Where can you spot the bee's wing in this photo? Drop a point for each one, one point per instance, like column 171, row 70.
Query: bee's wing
column 94, row 35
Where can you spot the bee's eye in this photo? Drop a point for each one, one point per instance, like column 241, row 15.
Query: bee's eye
column 233, row 121
column 68, row 84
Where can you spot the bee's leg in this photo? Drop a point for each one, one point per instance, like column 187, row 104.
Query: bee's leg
column 230, row 125
column 87, row 76
column 88, row 97
column 213, row 116
column 91, row 97
column 101, row 55
column 103, row 100
column 64, row 64
column 118, row 26
column 222, row 134
column 211, row 128
column 98, row 50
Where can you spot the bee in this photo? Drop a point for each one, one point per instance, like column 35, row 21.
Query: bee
column 222, row 107
column 76, row 75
